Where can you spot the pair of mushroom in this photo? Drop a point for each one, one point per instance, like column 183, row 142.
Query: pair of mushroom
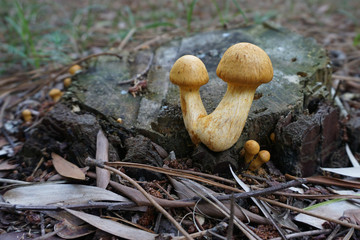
column 253, row 157
column 244, row 67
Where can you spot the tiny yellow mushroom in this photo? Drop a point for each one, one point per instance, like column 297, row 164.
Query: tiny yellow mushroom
column 55, row 94
column 26, row 115
column 263, row 157
column 119, row 120
column 67, row 82
column 251, row 148
column 272, row 137
column 75, row 69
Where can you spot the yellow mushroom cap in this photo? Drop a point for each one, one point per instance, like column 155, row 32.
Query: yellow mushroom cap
column 245, row 64
column 264, row 156
column 55, row 94
column 189, row 71
column 251, row 147
column 26, row 115
column 75, row 69
column 67, row 82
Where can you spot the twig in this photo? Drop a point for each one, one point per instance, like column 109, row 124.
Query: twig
column 346, row 78
column 171, row 172
column 2, row 111
column 12, row 181
column 149, row 197
column 48, row 235
column 302, row 234
column 349, row 234
column 42, row 225
column 231, row 219
column 334, row 232
column 218, row 228
column 37, row 166
column 318, row 197
column 126, row 39
column 299, row 210
column 139, row 75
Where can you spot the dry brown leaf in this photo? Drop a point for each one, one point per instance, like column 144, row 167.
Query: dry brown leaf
column 66, row 168
column 352, row 215
column 102, row 147
column 112, row 227
column 6, row 166
column 72, row 231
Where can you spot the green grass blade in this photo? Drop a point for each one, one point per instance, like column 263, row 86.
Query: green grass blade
column 158, row 24
column 189, row 13
column 240, row 11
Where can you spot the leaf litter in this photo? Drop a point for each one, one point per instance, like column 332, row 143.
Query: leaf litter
column 345, row 59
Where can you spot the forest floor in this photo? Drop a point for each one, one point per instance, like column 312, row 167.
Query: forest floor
column 41, row 39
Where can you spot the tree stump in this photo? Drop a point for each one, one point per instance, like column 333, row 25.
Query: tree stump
column 301, row 74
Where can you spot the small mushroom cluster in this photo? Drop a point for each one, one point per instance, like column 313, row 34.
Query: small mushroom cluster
column 253, row 157
column 243, row 67
column 56, row 93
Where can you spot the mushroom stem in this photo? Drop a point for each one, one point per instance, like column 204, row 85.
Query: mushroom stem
column 222, row 128
column 192, row 109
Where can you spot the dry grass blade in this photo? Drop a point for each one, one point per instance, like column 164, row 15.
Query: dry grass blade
column 349, row 234
column 329, row 181
column 346, row 78
column 102, row 147
column 172, row 172
column 303, row 234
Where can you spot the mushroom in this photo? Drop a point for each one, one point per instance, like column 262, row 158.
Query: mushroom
column 190, row 73
column 244, row 67
column 75, row 69
column 263, row 157
column 26, row 115
column 67, row 82
column 55, row 94
column 251, row 148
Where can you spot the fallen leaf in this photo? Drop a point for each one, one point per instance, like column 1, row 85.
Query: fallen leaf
column 66, row 168
column 45, row 194
column 352, row 215
column 102, row 147
column 112, row 227
column 351, row 156
column 6, row 166
column 64, row 215
column 72, row 231
column 332, row 209
column 24, row 236
column 349, row 171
